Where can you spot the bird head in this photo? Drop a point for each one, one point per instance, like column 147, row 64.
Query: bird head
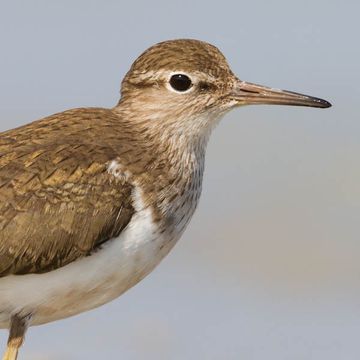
column 187, row 85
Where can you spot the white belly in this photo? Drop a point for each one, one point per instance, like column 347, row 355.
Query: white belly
column 88, row 282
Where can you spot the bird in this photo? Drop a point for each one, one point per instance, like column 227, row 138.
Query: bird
column 92, row 199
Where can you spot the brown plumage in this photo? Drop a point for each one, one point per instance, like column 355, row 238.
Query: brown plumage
column 56, row 200
column 92, row 199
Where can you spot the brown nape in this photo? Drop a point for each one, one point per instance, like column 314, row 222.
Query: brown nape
column 18, row 327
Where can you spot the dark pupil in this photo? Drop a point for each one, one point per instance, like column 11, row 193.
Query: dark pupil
column 180, row 82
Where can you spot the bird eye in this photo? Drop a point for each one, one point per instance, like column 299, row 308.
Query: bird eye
column 180, row 82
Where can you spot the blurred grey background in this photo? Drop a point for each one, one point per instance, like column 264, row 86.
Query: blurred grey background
column 269, row 267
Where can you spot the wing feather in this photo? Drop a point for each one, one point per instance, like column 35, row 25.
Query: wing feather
column 57, row 202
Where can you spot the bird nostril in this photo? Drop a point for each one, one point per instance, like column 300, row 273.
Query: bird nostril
column 249, row 91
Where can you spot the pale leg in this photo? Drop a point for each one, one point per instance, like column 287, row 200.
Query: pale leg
column 18, row 327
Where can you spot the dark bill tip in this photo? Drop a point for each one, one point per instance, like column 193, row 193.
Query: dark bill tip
column 313, row 101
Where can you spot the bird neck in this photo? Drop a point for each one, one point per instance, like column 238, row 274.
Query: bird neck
column 181, row 136
column 173, row 148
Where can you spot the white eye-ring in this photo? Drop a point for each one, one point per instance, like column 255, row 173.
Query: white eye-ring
column 180, row 82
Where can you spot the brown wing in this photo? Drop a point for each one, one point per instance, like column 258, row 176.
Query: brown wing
column 57, row 202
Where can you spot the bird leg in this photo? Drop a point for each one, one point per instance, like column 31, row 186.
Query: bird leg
column 18, row 327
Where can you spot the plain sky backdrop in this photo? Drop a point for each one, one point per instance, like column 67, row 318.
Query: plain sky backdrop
column 269, row 267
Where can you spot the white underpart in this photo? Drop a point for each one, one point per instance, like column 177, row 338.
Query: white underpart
column 90, row 281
